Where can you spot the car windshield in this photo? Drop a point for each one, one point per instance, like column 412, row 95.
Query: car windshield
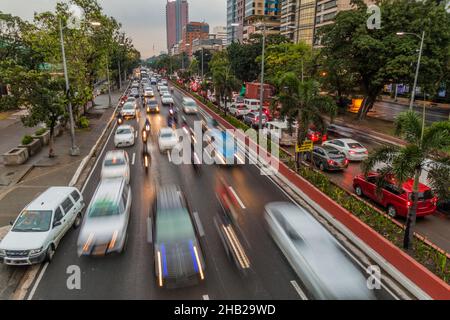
column 422, row 196
column 167, row 96
column 114, row 162
column 174, row 225
column 123, row 131
column 33, row 221
column 128, row 107
column 166, row 135
column 355, row 145
column 190, row 103
column 152, row 102
column 103, row 208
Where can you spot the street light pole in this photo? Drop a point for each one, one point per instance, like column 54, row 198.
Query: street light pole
column 413, row 94
column 109, row 83
column 202, row 63
column 261, row 94
column 74, row 150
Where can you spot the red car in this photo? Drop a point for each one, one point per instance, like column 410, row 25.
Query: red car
column 396, row 200
column 316, row 136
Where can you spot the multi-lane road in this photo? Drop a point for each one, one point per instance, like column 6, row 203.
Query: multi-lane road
column 130, row 275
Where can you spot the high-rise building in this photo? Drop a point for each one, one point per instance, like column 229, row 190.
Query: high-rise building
column 305, row 21
column 235, row 20
column 177, row 16
column 326, row 11
column 287, row 22
column 193, row 30
column 267, row 12
column 220, row 32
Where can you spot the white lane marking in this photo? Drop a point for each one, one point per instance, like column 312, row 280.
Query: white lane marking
column 236, row 196
column 134, row 159
column 205, row 297
column 201, row 231
column 98, row 159
column 299, row 291
column 149, row 230
column 168, row 156
column 38, row 280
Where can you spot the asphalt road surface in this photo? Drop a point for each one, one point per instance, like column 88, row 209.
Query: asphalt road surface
column 131, row 275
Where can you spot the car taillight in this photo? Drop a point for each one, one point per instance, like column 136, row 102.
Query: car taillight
column 352, row 152
column 409, row 204
column 434, row 200
column 324, row 138
column 346, row 161
column 330, row 162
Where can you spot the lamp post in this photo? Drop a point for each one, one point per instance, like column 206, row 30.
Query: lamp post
column 120, row 75
column 413, row 93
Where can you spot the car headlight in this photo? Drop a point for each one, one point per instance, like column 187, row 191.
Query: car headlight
column 36, row 251
column 2, row 252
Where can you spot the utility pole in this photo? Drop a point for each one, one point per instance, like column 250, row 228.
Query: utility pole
column 261, row 94
column 74, row 150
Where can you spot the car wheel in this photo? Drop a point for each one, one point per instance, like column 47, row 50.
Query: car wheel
column 358, row 191
column 392, row 212
column 322, row 167
column 77, row 221
column 50, row 253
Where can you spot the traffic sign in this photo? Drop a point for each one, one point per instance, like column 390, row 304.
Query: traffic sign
column 306, row 146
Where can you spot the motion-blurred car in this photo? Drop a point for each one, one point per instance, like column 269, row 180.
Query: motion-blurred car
column 167, row 99
column 189, row 105
column 353, row 150
column 178, row 256
column 317, row 258
column 37, row 231
column 209, row 123
column 124, row 136
column 148, row 92
column 132, row 100
column 397, row 200
column 328, row 158
column 129, row 110
column 104, row 228
column 167, row 139
column 116, row 165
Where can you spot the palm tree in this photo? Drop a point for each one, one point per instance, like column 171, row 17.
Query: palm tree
column 423, row 143
column 302, row 101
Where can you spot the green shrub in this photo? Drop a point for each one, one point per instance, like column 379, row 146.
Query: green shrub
column 83, row 122
column 40, row 131
column 27, row 140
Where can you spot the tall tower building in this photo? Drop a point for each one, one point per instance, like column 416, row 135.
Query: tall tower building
column 177, row 16
column 267, row 12
column 235, row 20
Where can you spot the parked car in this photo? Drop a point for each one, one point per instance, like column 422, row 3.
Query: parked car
column 252, row 119
column 177, row 251
column 397, row 200
column 124, row 136
column 328, row 158
column 314, row 254
column 353, row 150
column 116, row 164
column 37, row 231
column 189, row 105
column 239, row 110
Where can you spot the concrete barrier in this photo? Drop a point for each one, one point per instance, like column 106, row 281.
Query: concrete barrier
column 15, row 156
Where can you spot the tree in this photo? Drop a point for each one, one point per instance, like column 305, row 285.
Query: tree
column 407, row 162
column 377, row 57
column 207, row 56
column 223, row 78
column 302, row 102
column 193, row 67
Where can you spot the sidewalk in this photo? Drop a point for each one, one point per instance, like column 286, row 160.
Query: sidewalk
column 20, row 184
column 418, row 103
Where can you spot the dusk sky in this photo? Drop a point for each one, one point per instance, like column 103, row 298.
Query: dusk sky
column 142, row 20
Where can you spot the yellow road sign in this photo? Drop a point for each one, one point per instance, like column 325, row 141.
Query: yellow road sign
column 306, row 146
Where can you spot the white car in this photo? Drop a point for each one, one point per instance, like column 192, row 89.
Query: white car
column 189, row 105
column 239, row 110
column 37, row 231
column 353, row 150
column 116, row 164
column 129, row 110
column 124, row 136
column 167, row 139
column 148, row 92
column 318, row 259
column 167, row 99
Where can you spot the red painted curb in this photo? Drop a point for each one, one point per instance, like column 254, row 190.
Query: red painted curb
column 435, row 287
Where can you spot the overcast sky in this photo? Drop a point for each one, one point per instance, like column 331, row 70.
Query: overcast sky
column 143, row 20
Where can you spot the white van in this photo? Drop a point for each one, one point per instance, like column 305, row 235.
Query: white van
column 37, row 231
column 252, row 104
